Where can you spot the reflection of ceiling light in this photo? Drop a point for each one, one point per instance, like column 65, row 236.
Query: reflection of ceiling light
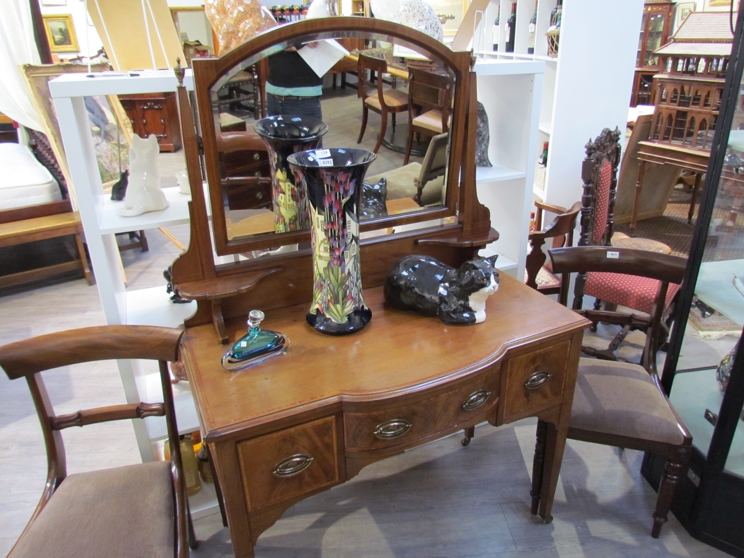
column 736, row 140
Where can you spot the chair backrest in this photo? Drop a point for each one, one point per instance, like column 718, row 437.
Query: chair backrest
column 664, row 268
column 27, row 358
column 369, row 68
column 560, row 231
column 599, row 175
column 429, row 91
column 434, row 164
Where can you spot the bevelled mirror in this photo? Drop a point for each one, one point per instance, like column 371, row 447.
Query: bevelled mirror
column 243, row 214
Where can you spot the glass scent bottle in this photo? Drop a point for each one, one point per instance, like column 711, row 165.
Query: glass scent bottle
column 255, row 346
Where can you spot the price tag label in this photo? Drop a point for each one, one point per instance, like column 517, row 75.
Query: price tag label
column 613, row 255
column 325, row 162
column 322, row 153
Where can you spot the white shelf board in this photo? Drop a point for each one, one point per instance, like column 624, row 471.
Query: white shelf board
column 545, row 127
column 497, row 173
column 117, row 83
column 204, row 502
column 502, row 263
column 494, row 67
column 111, row 222
column 153, row 307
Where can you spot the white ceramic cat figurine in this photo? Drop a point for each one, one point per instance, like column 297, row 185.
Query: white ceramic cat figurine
column 143, row 193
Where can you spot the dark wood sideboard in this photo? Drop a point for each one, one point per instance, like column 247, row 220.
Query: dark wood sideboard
column 154, row 114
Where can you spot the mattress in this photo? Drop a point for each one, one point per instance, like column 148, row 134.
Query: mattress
column 23, row 179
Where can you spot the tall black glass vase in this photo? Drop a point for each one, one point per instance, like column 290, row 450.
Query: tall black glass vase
column 284, row 135
column 333, row 180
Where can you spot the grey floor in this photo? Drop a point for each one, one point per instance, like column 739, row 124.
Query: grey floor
column 439, row 500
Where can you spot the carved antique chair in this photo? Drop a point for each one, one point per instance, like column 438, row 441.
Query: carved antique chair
column 538, row 273
column 376, row 97
column 599, row 176
column 135, row 510
column 429, row 105
column 619, row 403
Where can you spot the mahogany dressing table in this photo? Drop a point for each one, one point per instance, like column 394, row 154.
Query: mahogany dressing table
column 290, row 427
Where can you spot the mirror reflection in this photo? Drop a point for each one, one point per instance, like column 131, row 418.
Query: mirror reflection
column 375, row 96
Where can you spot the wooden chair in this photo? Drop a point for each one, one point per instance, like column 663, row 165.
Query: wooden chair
column 429, row 105
column 347, row 64
column 599, row 175
column 136, row 510
column 623, row 404
column 375, row 97
column 410, row 180
column 538, row 274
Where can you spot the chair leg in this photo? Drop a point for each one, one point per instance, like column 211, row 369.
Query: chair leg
column 365, row 113
column 193, row 542
column 409, row 145
column 673, row 469
column 393, row 115
column 538, row 463
column 383, row 129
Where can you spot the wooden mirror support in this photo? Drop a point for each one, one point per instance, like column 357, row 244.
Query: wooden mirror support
column 453, row 233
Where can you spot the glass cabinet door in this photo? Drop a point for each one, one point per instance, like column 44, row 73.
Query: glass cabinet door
column 716, row 317
column 654, row 37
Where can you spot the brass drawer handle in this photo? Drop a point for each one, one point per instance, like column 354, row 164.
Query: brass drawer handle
column 292, row 465
column 476, row 400
column 537, row 379
column 392, row 429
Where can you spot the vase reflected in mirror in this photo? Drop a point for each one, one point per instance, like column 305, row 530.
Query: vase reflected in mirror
column 333, row 181
column 284, row 135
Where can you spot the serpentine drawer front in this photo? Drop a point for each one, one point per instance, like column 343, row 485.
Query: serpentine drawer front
column 534, row 381
column 404, row 421
column 290, row 462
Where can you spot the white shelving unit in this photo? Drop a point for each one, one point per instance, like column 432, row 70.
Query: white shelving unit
column 101, row 221
column 585, row 89
column 510, row 91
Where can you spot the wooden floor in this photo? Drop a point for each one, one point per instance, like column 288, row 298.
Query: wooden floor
column 440, row 500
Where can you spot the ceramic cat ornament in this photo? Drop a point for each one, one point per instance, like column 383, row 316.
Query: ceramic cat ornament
column 431, row 288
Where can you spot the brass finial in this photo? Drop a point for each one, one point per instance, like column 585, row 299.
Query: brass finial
column 179, row 71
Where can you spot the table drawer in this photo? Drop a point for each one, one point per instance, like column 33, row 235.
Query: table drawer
column 289, row 463
column 405, row 422
column 534, row 381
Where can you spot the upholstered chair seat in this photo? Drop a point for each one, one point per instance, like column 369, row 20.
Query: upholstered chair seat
column 86, row 516
column 622, row 399
column 394, row 98
column 430, row 120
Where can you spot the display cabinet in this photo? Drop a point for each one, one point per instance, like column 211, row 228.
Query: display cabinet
column 655, row 31
column 154, row 114
column 704, row 368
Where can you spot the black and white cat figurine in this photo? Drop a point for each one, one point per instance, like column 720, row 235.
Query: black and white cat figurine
column 429, row 287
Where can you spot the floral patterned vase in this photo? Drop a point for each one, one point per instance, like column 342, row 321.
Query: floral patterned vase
column 333, row 180
column 284, row 135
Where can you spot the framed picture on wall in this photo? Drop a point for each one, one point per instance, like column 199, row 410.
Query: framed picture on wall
column 60, row 33
column 681, row 11
column 720, row 5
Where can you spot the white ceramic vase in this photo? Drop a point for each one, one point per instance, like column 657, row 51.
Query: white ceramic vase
column 143, row 193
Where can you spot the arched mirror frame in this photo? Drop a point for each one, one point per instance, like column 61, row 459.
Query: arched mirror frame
column 209, row 72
